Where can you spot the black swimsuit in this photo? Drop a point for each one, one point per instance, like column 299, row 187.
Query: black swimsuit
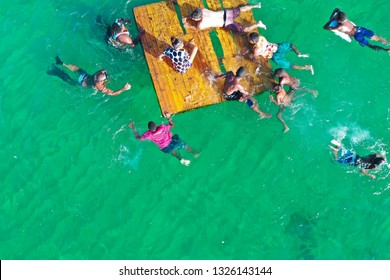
column 234, row 96
column 224, row 18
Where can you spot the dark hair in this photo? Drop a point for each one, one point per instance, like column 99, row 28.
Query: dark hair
column 254, row 36
column 115, row 28
column 175, row 42
column 240, row 72
column 152, row 126
column 277, row 88
column 279, row 72
column 101, row 76
column 342, row 16
column 197, row 14
column 371, row 161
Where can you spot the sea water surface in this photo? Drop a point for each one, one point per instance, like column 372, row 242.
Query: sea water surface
column 76, row 184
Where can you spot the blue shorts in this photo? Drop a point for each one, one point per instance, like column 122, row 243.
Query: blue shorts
column 347, row 157
column 280, row 55
column 175, row 144
column 81, row 76
column 249, row 102
column 360, row 35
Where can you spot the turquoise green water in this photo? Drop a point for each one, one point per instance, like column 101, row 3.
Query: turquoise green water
column 76, row 184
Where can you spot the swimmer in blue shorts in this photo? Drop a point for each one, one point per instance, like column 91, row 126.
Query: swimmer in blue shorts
column 349, row 157
column 339, row 22
column 233, row 90
column 97, row 80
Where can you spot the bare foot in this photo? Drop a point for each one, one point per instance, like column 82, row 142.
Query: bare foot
column 286, row 129
column 314, row 93
column 311, row 69
column 185, row 162
column 264, row 115
column 260, row 24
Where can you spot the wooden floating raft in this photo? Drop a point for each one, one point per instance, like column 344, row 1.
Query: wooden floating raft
column 182, row 92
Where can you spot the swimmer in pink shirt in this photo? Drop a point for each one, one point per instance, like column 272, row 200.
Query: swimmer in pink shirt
column 161, row 135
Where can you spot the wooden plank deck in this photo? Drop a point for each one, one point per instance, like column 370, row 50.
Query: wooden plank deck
column 182, row 92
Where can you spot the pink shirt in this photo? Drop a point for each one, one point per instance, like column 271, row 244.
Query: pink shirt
column 162, row 136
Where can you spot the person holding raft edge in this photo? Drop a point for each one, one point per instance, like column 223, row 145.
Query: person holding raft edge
column 203, row 18
column 181, row 60
column 97, row 80
column 162, row 137
column 343, row 27
column 233, row 90
column 119, row 36
column 349, row 157
column 277, row 52
column 292, row 82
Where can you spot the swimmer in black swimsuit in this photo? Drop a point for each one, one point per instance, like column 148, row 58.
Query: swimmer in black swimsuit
column 97, row 80
column 233, row 90
column 348, row 157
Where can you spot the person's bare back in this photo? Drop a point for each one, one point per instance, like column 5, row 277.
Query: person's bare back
column 232, row 84
column 211, row 19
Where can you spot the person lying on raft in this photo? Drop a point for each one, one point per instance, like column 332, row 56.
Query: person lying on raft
column 85, row 80
column 119, row 36
column 233, row 90
column 181, row 60
column 162, row 137
column 277, row 52
column 340, row 23
column 349, row 157
column 283, row 100
column 203, row 18
column 293, row 83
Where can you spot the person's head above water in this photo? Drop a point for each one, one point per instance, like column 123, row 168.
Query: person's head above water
column 279, row 72
column 176, row 42
column 196, row 15
column 342, row 16
column 240, row 72
column 374, row 161
column 116, row 27
column 101, row 76
column 277, row 88
column 254, row 38
column 152, row 126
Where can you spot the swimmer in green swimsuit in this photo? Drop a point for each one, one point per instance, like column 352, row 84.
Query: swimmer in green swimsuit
column 97, row 80
column 277, row 52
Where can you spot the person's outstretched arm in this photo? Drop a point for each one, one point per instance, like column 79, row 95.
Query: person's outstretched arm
column 365, row 172
column 136, row 134
column 168, row 116
column 108, row 91
column 220, row 76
